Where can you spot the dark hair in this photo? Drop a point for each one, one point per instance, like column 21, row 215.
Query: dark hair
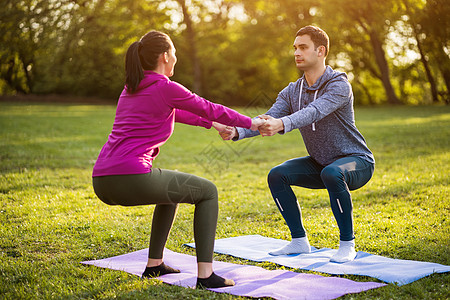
column 317, row 35
column 143, row 55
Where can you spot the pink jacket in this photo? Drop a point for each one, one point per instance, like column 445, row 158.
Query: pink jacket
column 145, row 121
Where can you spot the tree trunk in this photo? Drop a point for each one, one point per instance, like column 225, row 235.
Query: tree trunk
column 9, row 78
column 433, row 87
column 28, row 75
column 197, row 86
column 365, row 90
column 380, row 58
column 434, row 92
column 444, row 67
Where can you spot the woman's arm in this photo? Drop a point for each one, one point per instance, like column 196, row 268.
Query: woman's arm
column 186, row 117
column 181, row 98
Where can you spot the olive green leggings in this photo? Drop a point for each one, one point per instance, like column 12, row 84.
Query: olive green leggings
column 166, row 189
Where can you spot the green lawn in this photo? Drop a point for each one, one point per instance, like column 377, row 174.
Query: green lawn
column 51, row 219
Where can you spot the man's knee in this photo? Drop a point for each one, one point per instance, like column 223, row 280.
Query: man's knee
column 277, row 175
column 331, row 174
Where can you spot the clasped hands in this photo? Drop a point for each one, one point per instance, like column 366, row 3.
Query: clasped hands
column 266, row 125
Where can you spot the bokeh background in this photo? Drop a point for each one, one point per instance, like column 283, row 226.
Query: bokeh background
column 394, row 51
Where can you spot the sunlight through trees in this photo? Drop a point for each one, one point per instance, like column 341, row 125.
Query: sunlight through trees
column 395, row 51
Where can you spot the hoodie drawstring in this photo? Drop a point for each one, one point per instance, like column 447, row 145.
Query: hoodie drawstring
column 313, row 125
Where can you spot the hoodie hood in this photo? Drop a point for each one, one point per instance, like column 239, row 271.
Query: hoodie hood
column 326, row 77
column 150, row 78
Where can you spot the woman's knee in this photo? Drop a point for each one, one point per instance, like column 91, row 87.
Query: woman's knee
column 207, row 192
column 210, row 190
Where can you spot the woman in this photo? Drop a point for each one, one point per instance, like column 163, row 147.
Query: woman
column 147, row 109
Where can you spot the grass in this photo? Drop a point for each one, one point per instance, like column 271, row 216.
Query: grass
column 51, row 219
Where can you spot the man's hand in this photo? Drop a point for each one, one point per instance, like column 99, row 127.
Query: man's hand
column 256, row 123
column 271, row 126
column 226, row 132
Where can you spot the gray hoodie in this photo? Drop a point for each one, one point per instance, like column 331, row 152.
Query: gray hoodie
column 324, row 116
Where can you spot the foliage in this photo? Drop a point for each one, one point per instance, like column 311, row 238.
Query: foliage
column 229, row 51
column 51, row 219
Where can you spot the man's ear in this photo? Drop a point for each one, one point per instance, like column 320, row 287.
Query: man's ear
column 321, row 51
column 166, row 57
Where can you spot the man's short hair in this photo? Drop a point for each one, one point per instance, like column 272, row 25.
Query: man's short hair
column 317, row 35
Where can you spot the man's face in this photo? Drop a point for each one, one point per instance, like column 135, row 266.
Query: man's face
column 306, row 57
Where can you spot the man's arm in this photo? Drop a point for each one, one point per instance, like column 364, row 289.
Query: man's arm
column 279, row 109
column 336, row 95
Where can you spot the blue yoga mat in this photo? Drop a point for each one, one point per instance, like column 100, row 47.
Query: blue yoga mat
column 398, row 271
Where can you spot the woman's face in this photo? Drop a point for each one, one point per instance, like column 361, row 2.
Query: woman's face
column 171, row 61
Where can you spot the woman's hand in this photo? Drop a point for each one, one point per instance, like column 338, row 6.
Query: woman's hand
column 229, row 134
column 226, row 132
column 219, row 127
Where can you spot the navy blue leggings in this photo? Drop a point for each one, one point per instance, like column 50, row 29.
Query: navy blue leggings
column 339, row 178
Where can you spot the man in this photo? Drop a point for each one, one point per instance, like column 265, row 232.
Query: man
column 320, row 105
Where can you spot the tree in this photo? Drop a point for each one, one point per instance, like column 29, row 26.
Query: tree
column 87, row 56
column 192, row 50
column 364, row 23
column 229, row 51
column 264, row 49
column 414, row 11
column 435, row 32
column 24, row 28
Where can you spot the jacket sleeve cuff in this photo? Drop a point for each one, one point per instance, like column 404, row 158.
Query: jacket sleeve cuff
column 287, row 123
column 241, row 133
column 204, row 123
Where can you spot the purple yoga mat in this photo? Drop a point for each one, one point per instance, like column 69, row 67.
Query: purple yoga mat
column 251, row 281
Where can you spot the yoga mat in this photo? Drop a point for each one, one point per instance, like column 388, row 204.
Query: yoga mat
column 256, row 248
column 250, row 281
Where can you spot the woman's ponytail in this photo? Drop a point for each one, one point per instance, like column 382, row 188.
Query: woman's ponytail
column 143, row 55
column 133, row 67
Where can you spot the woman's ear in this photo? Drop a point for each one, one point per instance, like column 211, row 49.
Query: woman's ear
column 166, row 57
